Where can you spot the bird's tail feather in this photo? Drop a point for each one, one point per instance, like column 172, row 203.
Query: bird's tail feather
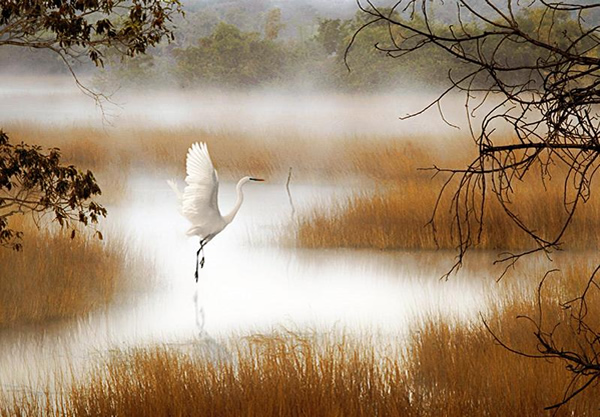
column 175, row 188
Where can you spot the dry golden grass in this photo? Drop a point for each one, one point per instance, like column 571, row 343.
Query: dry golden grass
column 393, row 216
column 55, row 277
column 446, row 369
column 397, row 216
column 323, row 158
column 383, row 220
column 460, row 370
column 397, row 219
column 270, row 376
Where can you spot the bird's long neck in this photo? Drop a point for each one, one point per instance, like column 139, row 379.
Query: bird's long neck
column 240, row 199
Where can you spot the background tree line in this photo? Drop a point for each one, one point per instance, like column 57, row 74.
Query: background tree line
column 213, row 52
column 253, row 44
column 260, row 51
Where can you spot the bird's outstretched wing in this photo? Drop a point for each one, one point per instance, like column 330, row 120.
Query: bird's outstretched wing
column 175, row 188
column 199, row 201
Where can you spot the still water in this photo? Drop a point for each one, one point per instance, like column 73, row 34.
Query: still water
column 250, row 283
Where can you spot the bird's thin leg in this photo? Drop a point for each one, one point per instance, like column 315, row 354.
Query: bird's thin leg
column 201, row 249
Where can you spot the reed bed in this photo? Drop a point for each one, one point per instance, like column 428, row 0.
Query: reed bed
column 316, row 158
column 56, row 277
column 461, row 370
column 398, row 217
column 390, row 212
column 444, row 368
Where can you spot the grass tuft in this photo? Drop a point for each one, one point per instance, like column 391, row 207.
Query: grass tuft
column 444, row 368
column 397, row 217
column 56, row 277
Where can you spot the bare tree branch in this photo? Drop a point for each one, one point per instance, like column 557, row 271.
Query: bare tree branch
column 533, row 75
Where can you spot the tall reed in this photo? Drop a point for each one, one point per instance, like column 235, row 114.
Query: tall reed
column 398, row 217
column 390, row 211
column 56, row 277
column 320, row 158
column 445, row 368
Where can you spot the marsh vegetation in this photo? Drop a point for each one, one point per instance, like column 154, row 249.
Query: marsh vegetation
column 324, row 297
column 55, row 277
column 396, row 189
column 431, row 364
column 444, row 367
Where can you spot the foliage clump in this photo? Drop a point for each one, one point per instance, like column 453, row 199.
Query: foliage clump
column 35, row 182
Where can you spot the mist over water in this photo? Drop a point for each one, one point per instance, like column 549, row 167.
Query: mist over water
column 58, row 101
column 343, row 283
column 249, row 285
column 250, row 282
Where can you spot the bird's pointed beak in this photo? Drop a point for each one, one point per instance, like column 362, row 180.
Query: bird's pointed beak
column 256, row 179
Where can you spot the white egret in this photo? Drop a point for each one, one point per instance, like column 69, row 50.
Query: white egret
column 199, row 200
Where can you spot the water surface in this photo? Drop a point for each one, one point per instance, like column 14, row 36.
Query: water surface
column 250, row 283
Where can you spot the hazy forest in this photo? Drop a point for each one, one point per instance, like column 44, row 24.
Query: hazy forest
column 265, row 45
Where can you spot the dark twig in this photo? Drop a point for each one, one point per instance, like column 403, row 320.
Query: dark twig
column 289, row 193
column 537, row 74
